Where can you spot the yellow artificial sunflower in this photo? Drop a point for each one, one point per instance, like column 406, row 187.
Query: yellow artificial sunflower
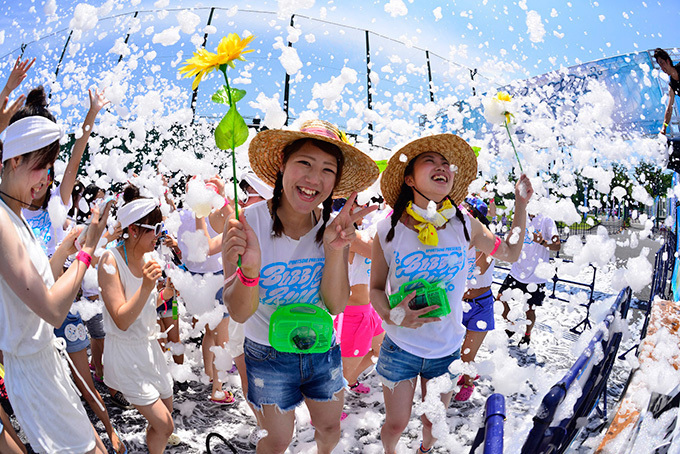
column 505, row 97
column 230, row 48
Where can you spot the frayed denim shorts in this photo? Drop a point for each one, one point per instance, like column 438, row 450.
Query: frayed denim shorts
column 396, row 365
column 287, row 379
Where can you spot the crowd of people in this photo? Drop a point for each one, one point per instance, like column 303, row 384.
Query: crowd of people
column 314, row 288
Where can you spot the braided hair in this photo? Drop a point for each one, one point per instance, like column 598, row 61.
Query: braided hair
column 406, row 196
column 288, row 150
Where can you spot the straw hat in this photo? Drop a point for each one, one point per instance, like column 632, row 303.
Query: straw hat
column 453, row 148
column 266, row 153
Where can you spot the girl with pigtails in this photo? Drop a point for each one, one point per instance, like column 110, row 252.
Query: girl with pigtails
column 288, row 265
column 418, row 271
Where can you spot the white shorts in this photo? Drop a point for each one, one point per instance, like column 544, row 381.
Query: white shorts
column 138, row 369
column 46, row 404
column 237, row 334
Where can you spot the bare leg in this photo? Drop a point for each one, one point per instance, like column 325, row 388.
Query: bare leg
column 326, row 417
column 398, row 403
column 9, row 440
column 352, row 367
column 79, row 359
column 173, row 336
column 531, row 317
column 99, row 447
column 160, row 425
column 428, row 439
column 97, row 349
column 473, row 340
column 279, row 427
column 220, row 338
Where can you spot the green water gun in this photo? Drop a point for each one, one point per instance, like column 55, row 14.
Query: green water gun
column 301, row 328
column 427, row 294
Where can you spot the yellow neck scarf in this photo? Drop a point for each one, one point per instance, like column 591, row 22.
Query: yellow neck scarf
column 430, row 220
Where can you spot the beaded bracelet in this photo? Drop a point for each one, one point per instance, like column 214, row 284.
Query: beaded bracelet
column 84, row 257
column 247, row 281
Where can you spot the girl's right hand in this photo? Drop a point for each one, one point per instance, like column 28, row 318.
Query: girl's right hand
column 97, row 225
column 151, row 272
column 239, row 239
column 412, row 317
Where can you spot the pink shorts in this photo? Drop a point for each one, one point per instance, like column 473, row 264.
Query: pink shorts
column 356, row 328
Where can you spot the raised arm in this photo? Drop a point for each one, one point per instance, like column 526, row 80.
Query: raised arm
column 50, row 304
column 97, row 102
column 510, row 248
column 669, row 111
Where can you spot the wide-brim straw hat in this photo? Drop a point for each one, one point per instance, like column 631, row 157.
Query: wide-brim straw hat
column 266, row 154
column 456, row 151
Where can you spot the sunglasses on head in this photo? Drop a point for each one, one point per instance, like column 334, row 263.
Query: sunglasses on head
column 157, row 229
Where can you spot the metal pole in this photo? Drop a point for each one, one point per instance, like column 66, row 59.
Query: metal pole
column 286, row 83
column 127, row 37
column 369, row 85
column 429, row 75
column 194, row 95
column 56, row 72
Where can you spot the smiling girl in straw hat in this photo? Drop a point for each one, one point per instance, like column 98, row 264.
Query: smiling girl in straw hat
column 426, row 239
column 291, row 254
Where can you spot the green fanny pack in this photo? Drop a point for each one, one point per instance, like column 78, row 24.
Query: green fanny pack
column 301, row 328
column 427, row 294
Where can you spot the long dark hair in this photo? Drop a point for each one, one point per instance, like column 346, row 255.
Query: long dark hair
column 406, row 196
column 288, row 150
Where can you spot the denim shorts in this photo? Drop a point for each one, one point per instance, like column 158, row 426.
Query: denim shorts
column 287, row 379
column 396, row 365
column 74, row 333
column 95, row 326
column 479, row 316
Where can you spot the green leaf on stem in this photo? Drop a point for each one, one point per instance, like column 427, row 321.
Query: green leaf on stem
column 222, row 97
column 476, row 150
column 232, row 130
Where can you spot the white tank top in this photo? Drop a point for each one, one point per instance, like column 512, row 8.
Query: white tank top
column 145, row 326
column 409, row 259
column 291, row 271
column 360, row 270
column 211, row 263
column 22, row 332
column 474, row 278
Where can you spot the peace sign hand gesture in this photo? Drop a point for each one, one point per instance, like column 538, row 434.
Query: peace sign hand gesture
column 341, row 232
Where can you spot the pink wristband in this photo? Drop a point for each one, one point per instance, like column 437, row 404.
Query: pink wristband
column 248, row 282
column 84, row 257
column 495, row 246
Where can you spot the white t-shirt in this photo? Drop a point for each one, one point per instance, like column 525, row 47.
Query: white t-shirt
column 533, row 253
column 409, row 259
column 49, row 235
column 291, row 270
column 22, row 332
column 212, row 263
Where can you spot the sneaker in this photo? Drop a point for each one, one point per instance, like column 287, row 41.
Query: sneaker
column 120, row 401
column 223, row 398
column 526, row 339
column 359, row 388
column 420, row 450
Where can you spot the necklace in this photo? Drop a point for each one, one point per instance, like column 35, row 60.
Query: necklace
column 35, row 207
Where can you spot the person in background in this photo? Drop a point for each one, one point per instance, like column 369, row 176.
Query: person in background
column 666, row 64
column 478, row 301
column 523, row 275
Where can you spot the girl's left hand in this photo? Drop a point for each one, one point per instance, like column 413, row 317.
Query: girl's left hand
column 97, row 100
column 341, row 232
column 523, row 189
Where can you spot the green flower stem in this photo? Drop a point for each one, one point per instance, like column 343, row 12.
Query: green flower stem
column 223, row 68
column 513, row 145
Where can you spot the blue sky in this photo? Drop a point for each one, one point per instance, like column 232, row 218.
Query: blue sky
column 479, row 34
